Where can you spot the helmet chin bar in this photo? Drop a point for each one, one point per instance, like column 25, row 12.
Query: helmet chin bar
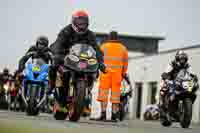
column 77, row 31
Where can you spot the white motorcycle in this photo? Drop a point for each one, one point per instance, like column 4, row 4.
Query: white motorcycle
column 152, row 112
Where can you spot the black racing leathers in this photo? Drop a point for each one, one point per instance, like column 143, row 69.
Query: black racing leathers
column 34, row 52
column 65, row 40
column 170, row 74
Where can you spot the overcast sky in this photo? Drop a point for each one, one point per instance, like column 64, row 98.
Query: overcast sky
column 23, row 20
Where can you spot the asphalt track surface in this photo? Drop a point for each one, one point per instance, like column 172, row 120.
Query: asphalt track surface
column 18, row 122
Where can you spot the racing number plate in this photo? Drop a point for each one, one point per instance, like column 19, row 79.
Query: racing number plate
column 82, row 65
column 188, row 85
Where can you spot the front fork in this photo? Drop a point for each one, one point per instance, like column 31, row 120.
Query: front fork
column 25, row 93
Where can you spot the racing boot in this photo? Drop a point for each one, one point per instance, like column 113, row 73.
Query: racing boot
column 102, row 67
column 86, row 111
column 87, row 108
column 51, row 86
column 102, row 117
column 115, row 117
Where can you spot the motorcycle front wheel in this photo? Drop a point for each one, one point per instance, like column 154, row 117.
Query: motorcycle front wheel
column 78, row 101
column 31, row 109
column 186, row 114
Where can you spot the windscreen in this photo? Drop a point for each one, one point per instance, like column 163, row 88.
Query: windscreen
column 83, row 49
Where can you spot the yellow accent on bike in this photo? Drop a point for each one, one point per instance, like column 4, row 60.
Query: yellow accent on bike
column 36, row 69
column 190, row 83
column 84, row 55
column 82, row 58
column 92, row 61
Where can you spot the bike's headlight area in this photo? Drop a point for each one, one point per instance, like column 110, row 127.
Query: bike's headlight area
column 6, row 87
column 73, row 58
column 92, row 61
column 187, row 85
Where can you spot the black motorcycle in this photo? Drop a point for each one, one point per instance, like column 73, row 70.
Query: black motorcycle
column 179, row 100
column 82, row 64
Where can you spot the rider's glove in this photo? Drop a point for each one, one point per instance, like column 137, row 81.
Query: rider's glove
column 130, row 93
column 102, row 67
column 195, row 77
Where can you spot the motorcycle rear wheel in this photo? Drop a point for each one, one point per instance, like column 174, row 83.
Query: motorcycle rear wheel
column 147, row 116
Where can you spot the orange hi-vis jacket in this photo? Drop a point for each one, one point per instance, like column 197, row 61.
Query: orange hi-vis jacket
column 116, row 61
column 115, row 56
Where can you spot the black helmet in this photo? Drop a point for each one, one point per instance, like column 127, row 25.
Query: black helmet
column 181, row 57
column 42, row 41
column 113, row 35
column 80, row 22
column 5, row 71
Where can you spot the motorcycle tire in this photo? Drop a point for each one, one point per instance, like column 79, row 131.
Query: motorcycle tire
column 186, row 116
column 155, row 117
column 31, row 109
column 78, row 101
column 147, row 116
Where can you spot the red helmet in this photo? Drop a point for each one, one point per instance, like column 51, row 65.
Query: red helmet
column 80, row 21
